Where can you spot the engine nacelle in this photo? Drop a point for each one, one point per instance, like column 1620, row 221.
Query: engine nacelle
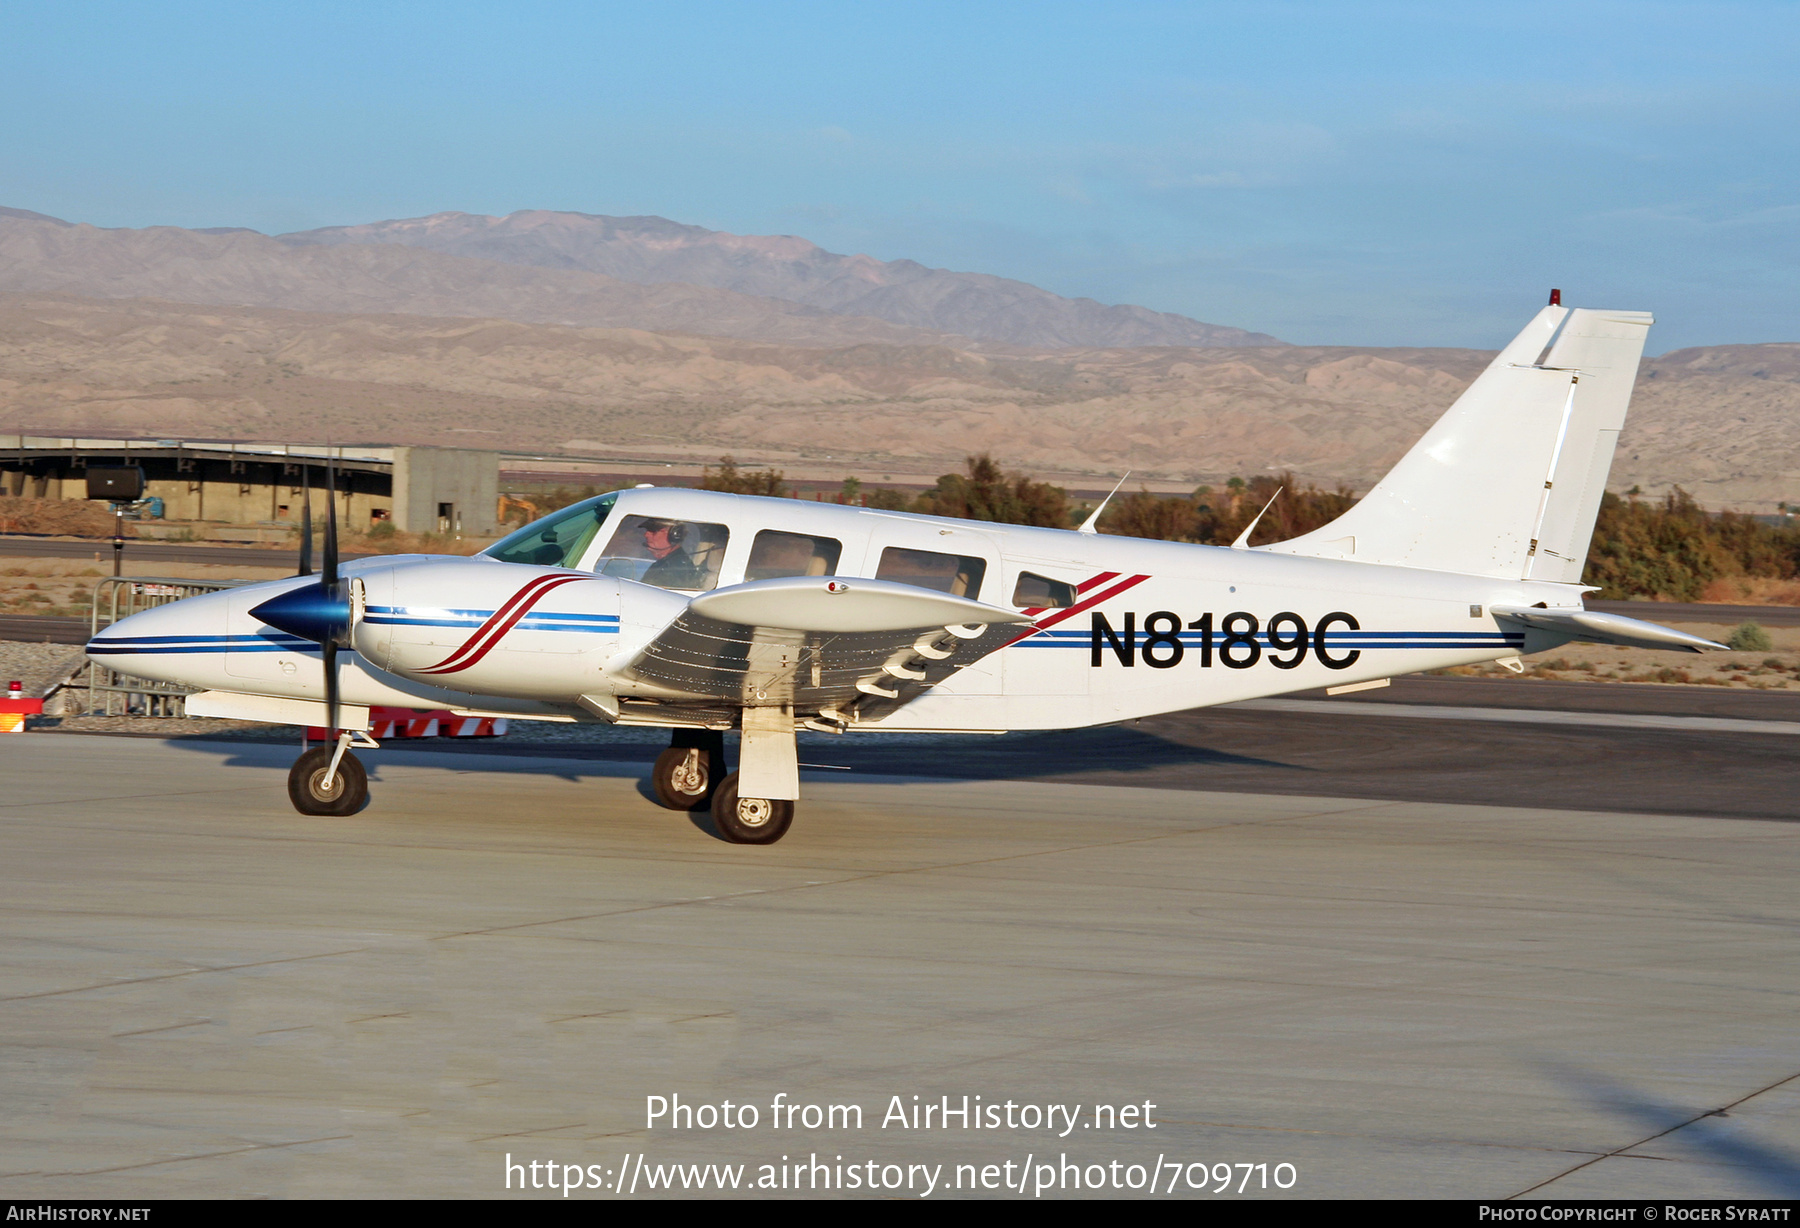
column 490, row 627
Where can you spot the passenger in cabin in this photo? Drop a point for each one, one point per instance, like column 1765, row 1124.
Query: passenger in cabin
column 674, row 567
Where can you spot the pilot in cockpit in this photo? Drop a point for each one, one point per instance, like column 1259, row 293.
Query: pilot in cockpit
column 674, row 567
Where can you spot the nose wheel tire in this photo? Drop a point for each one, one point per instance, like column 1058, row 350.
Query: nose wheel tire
column 683, row 778
column 348, row 791
column 749, row 820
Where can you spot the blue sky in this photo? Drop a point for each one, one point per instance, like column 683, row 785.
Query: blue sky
column 1367, row 174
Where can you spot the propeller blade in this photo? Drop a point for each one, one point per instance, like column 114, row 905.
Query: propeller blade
column 331, row 584
column 306, row 568
column 329, row 656
column 329, row 578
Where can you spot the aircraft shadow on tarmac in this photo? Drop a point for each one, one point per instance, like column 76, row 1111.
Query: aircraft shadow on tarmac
column 1063, row 756
column 1451, row 761
column 1669, row 1128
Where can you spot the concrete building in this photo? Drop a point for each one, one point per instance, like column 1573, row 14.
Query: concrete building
column 419, row 490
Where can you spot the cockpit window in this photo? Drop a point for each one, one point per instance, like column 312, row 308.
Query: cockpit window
column 559, row 539
column 666, row 552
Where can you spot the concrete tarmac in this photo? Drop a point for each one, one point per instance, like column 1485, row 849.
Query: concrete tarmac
column 205, row 994
column 1682, row 750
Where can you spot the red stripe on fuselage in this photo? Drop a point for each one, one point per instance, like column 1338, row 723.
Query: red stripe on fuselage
column 495, row 628
column 494, row 620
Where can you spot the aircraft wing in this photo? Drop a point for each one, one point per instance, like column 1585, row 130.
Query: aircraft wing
column 1598, row 628
column 824, row 645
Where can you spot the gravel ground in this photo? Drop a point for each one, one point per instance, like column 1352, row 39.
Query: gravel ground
column 36, row 666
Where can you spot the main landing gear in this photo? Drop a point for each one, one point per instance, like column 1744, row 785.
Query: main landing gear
column 693, row 773
column 328, row 780
column 687, row 774
column 749, row 820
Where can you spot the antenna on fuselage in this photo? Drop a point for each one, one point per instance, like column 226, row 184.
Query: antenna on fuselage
column 1244, row 537
column 1087, row 526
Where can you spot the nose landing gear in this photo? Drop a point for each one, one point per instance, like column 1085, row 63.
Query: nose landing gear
column 310, row 791
column 329, row 780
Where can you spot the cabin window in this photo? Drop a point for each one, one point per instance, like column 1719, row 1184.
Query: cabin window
column 956, row 574
column 1035, row 592
column 559, row 539
column 665, row 551
column 792, row 554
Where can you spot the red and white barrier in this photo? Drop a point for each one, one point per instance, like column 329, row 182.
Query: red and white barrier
column 15, row 708
column 385, row 723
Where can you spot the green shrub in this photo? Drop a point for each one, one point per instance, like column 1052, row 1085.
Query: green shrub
column 987, row 492
column 1748, row 637
column 1218, row 517
column 1673, row 549
column 729, row 478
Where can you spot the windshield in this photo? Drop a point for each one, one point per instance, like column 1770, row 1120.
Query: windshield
column 559, row 539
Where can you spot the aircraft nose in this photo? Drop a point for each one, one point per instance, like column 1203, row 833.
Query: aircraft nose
column 195, row 624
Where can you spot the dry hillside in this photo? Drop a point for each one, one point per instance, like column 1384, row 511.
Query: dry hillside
column 243, row 268
column 654, row 249
column 1718, row 421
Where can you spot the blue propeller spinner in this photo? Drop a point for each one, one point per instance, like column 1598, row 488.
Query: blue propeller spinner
column 318, row 612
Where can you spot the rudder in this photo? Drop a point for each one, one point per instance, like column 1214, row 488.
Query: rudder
column 1604, row 349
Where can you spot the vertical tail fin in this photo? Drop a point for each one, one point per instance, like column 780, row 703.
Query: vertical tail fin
column 1508, row 482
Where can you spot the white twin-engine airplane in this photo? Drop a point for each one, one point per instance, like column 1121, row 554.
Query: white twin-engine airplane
column 704, row 612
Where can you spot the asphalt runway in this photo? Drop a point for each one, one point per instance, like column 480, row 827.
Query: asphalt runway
column 148, row 550
column 43, row 629
column 206, row 994
column 1697, row 612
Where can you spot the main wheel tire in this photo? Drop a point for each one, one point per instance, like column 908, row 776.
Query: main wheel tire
column 683, row 778
column 749, row 820
column 349, row 786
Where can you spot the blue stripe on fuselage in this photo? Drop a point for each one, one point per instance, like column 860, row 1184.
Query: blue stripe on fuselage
column 1336, row 641
column 537, row 620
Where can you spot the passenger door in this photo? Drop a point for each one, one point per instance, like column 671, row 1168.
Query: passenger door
column 961, row 562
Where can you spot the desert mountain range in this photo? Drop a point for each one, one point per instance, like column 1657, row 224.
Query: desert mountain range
column 654, row 250
column 541, row 267
column 1719, row 420
column 580, row 333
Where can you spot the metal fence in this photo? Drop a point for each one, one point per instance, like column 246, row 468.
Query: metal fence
column 111, row 693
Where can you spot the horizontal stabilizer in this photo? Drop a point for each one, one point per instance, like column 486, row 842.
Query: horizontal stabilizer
column 830, row 604
column 1598, row 628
